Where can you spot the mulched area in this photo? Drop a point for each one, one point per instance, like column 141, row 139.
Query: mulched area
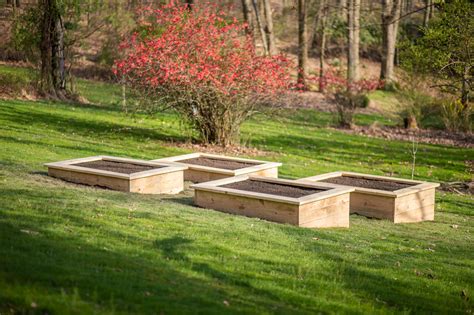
column 273, row 188
column 118, row 167
column 217, row 163
column 367, row 183
column 441, row 137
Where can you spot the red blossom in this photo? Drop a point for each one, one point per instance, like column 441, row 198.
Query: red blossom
column 334, row 81
column 198, row 49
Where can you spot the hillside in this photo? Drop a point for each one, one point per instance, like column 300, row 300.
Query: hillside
column 67, row 248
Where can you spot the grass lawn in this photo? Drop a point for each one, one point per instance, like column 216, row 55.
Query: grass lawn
column 67, row 248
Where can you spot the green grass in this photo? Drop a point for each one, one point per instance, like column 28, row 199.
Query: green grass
column 74, row 249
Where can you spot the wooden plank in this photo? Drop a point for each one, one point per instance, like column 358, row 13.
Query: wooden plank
column 170, row 177
column 69, row 165
column 270, row 172
column 216, row 186
column 417, row 185
column 380, row 207
column 90, row 179
column 168, row 183
column 73, row 161
column 84, row 170
column 248, row 194
column 415, row 201
column 417, row 188
column 399, row 206
column 251, row 207
column 321, row 209
column 198, row 176
column 339, row 219
column 201, row 173
column 326, row 209
column 386, row 178
column 178, row 158
column 322, row 176
column 425, row 213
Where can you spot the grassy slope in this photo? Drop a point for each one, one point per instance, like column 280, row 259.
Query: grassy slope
column 74, row 249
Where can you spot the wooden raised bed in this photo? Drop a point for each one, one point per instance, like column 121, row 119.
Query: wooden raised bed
column 278, row 200
column 121, row 174
column 203, row 167
column 396, row 199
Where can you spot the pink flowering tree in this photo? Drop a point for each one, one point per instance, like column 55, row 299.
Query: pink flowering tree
column 201, row 63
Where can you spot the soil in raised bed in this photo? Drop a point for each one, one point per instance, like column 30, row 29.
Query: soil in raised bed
column 379, row 184
column 218, row 163
column 118, row 167
column 273, row 188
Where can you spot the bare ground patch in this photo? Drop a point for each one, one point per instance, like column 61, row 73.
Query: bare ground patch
column 430, row 136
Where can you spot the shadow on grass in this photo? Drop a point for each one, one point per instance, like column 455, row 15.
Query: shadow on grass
column 184, row 200
column 63, row 255
column 52, row 268
column 343, row 150
column 74, row 124
column 102, row 278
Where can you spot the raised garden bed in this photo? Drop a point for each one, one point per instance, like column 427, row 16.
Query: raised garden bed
column 121, row 174
column 204, row 167
column 396, row 199
column 278, row 200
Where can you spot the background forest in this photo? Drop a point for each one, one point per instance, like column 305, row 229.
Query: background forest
column 419, row 51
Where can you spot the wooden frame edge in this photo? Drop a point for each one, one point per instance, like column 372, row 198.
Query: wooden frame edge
column 420, row 185
column 68, row 165
column 213, row 186
column 259, row 166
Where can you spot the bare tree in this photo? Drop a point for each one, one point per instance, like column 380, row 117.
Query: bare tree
column 427, row 14
column 322, row 43
column 342, row 6
column 260, row 27
column 390, row 21
column 247, row 15
column 302, row 44
column 315, row 25
column 353, row 25
column 269, row 27
column 53, row 74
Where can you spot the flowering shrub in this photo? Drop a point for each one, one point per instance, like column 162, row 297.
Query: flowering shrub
column 201, row 63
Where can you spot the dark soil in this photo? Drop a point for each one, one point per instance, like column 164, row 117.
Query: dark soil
column 118, row 167
column 273, row 188
column 217, row 163
column 367, row 183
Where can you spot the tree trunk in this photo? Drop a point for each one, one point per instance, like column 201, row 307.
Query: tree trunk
column 316, row 21
column 302, row 45
column 342, row 4
column 427, row 15
column 189, row 4
column 52, row 72
column 247, row 16
column 269, row 28
column 390, row 21
column 59, row 71
column 14, row 8
column 322, row 49
column 260, row 27
column 353, row 20
column 465, row 90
